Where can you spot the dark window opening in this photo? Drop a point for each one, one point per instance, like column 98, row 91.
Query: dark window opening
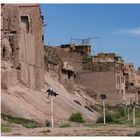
column 25, row 23
column 14, row 32
column 126, row 87
column 3, row 52
column 42, row 37
column 117, row 91
column 69, row 75
column 132, row 84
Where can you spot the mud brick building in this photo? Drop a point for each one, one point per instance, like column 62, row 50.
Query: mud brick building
column 132, row 85
column 137, row 84
column 22, row 48
column 104, row 74
column 101, row 74
column 129, row 72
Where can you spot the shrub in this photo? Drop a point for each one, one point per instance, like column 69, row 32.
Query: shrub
column 47, row 123
column 5, row 128
column 18, row 120
column 30, row 125
column 109, row 118
column 122, row 113
column 76, row 117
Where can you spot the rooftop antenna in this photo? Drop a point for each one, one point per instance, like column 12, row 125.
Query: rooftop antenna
column 72, row 22
column 85, row 41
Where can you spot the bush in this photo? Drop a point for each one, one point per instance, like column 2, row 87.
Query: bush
column 30, row 125
column 47, row 123
column 5, row 128
column 24, row 122
column 109, row 118
column 76, row 117
column 122, row 113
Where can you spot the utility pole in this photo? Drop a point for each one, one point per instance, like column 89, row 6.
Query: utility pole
column 103, row 97
column 128, row 113
column 104, row 111
column 125, row 111
column 52, row 111
column 133, row 104
column 134, row 121
column 52, row 93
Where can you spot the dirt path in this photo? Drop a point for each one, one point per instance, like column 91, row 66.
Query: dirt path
column 110, row 130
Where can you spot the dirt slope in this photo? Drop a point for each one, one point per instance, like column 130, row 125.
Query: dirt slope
column 23, row 102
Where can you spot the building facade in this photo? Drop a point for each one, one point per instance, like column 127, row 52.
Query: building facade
column 105, row 75
column 22, row 45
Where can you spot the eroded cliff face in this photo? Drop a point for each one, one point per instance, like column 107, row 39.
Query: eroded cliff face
column 22, row 51
column 23, row 79
column 22, row 59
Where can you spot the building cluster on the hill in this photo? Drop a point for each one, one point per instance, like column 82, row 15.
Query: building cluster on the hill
column 104, row 73
column 23, row 60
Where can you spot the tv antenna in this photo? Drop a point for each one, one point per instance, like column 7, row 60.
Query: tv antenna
column 84, row 41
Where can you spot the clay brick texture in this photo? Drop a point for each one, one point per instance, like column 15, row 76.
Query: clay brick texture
column 22, row 44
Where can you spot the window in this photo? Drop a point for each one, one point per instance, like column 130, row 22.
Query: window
column 117, row 91
column 42, row 38
column 25, row 23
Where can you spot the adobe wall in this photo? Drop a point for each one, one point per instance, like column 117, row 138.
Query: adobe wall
column 97, row 66
column 73, row 57
column 100, row 82
column 75, row 60
column 22, row 44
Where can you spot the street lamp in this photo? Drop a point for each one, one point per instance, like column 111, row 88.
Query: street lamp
column 124, row 107
column 133, row 105
column 128, row 106
column 103, row 97
column 51, row 93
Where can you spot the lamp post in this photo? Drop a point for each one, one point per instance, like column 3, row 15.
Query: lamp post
column 103, row 97
column 128, row 106
column 52, row 110
column 51, row 93
column 134, row 106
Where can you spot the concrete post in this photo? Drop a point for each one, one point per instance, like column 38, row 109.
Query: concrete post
column 52, row 111
column 134, row 121
column 104, row 112
column 128, row 114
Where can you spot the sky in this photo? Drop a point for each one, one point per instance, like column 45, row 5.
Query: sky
column 117, row 25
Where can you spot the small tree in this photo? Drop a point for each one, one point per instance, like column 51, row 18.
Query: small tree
column 76, row 117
